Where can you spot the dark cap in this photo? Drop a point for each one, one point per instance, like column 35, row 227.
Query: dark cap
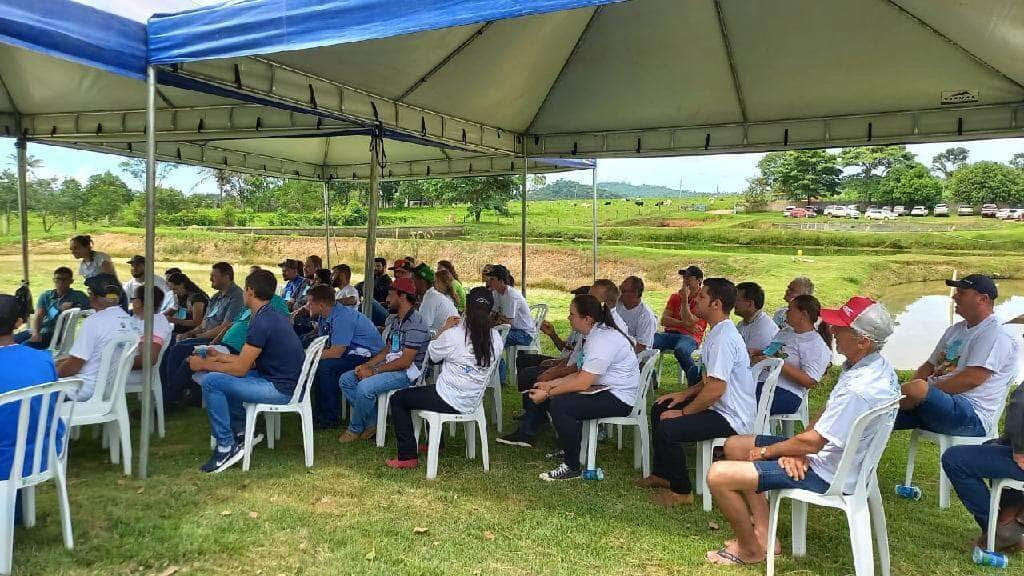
column 580, row 290
column 401, row 264
column 104, row 286
column 137, row 259
column 404, row 286
column 692, row 271
column 480, row 296
column 978, row 282
column 290, row 263
column 424, row 272
column 499, row 272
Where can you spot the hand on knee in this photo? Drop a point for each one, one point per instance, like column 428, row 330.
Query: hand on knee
column 915, row 391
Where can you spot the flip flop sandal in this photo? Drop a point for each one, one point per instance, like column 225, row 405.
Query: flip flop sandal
column 730, row 558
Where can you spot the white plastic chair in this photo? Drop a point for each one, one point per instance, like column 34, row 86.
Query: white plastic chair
column 384, row 402
column 540, row 312
column 787, row 422
column 945, row 442
column 494, row 383
column 300, row 404
column 637, row 417
column 998, row 485
column 157, row 390
column 107, row 405
column 63, row 332
column 863, row 508
column 761, row 426
column 50, row 399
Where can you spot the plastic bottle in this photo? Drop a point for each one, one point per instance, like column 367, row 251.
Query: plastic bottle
column 908, row 492
column 595, row 474
column 986, row 558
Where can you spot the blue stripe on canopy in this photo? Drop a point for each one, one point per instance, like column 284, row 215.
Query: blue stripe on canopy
column 582, row 164
column 253, row 27
column 75, row 32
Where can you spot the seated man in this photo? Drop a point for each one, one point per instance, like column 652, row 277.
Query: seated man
column 721, row 405
column 799, row 286
column 807, row 461
column 265, row 371
column 684, row 330
column 344, row 292
column 109, row 321
column 381, row 286
column 755, row 326
column 510, row 308
column 138, row 264
column 396, row 366
column 295, row 283
column 969, row 466
column 962, row 386
column 49, row 306
column 352, row 340
column 161, row 330
column 640, row 322
column 530, row 366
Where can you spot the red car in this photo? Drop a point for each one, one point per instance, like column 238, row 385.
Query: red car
column 802, row 213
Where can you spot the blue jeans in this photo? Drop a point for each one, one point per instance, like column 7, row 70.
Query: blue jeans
column 379, row 315
column 174, row 380
column 682, row 346
column 516, row 337
column 942, row 413
column 969, row 466
column 771, row 476
column 362, row 395
column 224, row 395
column 327, row 396
column 784, row 401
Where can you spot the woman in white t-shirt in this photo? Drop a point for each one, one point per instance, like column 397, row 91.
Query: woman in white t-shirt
column 91, row 262
column 469, row 349
column 808, row 354
column 605, row 384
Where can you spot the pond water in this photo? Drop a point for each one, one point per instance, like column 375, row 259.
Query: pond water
column 922, row 311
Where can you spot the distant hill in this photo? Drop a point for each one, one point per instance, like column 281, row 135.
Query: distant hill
column 568, row 189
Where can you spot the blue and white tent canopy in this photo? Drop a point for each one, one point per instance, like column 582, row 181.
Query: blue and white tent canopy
column 635, row 78
column 71, row 74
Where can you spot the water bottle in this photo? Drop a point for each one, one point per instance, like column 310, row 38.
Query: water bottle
column 986, row 558
column 908, row 492
column 595, row 474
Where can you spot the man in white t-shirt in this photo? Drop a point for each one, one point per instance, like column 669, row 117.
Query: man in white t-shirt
column 755, row 326
column 962, row 387
column 808, row 461
column 161, row 330
column 344, row 292
column 138, row 264
column 797, row 287
column 510, row 308
column 721, row 405
column 109, row 321
column 641, row 323
column 435, row 308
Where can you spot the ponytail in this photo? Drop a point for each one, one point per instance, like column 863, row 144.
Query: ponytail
column 590, row 307
column 812, row 307
column 479, row 302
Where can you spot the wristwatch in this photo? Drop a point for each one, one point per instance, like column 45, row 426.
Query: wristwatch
column 764, row 453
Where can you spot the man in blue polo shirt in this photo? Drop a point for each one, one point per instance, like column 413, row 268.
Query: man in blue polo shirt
column 49, row 306
column 265, row 371
column 352, row 340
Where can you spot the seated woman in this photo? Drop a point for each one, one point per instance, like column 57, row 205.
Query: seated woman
column 191, row 300
column 808, row 354
column 468, row 348
column 605, row 385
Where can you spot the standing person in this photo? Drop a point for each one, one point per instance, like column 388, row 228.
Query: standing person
column 467, row 348
column 605, row 384
column 721, row 405
column 684, row 329
column 460, row 290
column 808, row 461
column 92, row 262
column 640, row 322
column 266, row 371
column 345, row 293
column 49, row 306
column 807, row 352
column 295, row 283
column 352, row 340
column 755, row 326
column 435, row 307
column 445, row 284
column 799, row 286
column 394, row 367
column 138, row 264
column 510, row 308
column 190, row 303
column 963, row 385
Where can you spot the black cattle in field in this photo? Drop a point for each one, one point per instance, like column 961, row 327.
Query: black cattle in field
column 639, row 203
column 659, row 203
column 607, row 202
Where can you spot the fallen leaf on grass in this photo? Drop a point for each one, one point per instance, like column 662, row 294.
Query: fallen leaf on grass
column 713, row 525
column 370, row 555
column 225, row 513
column 140, row 490
column 168, row 571
column 419, row 530
column 488, row 535
column 254, row 514
column 303, row 546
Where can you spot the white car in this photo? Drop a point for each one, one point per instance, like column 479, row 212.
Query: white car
column 1004, row 213
column 919, row 211
column 900, row 210
column 834, row 210
column 878, row 214
column 941, row 210
column 964, row 211
column 852, row 213
column 787, row 210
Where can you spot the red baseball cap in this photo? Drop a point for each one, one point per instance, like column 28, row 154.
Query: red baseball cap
column 401, row 264
column 404, row 286
column 867, row 317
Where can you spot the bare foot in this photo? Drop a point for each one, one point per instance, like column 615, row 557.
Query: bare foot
column 778, row 545
column 732, row 556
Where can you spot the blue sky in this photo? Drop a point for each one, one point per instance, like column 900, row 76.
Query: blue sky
column 724, row 172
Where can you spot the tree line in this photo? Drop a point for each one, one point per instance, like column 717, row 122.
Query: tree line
column 885, row 175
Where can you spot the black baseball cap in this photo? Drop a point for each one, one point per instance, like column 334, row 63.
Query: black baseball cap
column 580, row 290
column 291, row 263
column 104, row 286
column 978, row 282
column 138, row 258
column 499, row 272
column 692, row 271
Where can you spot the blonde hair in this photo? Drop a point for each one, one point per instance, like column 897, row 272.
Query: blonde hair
column 445, row 284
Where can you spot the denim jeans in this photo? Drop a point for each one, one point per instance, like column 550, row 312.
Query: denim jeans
column 784, row 401
column 969, row 466
column 224, row 395
column 682, row 346
column 362, row 395
column 942, row 413
column 516, row 337
column 327, row 396
column 175, row 383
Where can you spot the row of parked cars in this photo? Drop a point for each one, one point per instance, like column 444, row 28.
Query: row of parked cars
column 893, row 212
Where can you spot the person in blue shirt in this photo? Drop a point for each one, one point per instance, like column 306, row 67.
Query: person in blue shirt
column 265, row 371
column 49, row 306
column 352, row 340
column 296, row 284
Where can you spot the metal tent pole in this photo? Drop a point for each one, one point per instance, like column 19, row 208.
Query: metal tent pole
column 148, row 305
column 327, row 225
column 371, row 223
column 594, row 172
column 21, row 144
column 522, row 227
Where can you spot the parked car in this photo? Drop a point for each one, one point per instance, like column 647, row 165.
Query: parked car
column 835, row 211
column 787, row 210
column 1012, row 214
column 852, row 213
column 919, row 211
column 878, row 214
column 900, row 210
column 989, row 210
column 802, row 213
column 964, row 211
column 940, row 210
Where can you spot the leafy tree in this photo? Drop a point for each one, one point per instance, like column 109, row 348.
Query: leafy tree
column 757, row 193
column 8, row 197
column 69, row 200
column 257, row 193
column 487, row 193
column 984, row 182
column 42, row 198
column 871, row 163
column 135, row 168
column 105, row 195
column 299, row 196
column 1017, row 161
column 949, row 161
column 801, row 174
column 910, row 185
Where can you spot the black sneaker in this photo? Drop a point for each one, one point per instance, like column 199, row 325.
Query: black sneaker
column 563, row 472
column 221, row 461
column 240, row 439
column 516, row 438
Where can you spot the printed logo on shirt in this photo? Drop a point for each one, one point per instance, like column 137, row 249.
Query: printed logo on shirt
column 951, row 359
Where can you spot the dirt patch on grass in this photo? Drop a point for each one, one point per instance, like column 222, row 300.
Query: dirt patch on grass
column 680, row 223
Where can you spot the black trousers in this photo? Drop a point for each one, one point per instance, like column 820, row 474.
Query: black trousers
column 402, row 404
column 528, row 368
column 669, row 435
column 568, row 412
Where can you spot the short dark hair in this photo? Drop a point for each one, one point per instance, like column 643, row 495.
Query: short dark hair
column 383, row 261
column 323, row 294
column 140, row 293
column 637, row 283
column 611, row 290
column 225, row 269
column 323, row 275
column 752, row 291
column 172, row 271
column 316, row 260
column 344, row 269
column 262, row 283
column 63, row 270
column 10, row 312
column 722, row 290
column 83, row 240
